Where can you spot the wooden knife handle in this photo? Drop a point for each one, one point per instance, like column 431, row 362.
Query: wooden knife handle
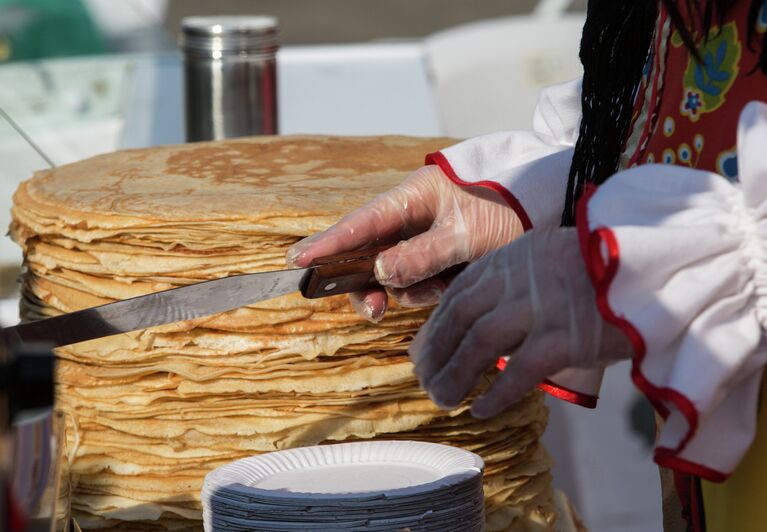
column 351, row 271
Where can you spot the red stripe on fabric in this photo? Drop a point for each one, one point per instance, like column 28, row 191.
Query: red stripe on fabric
column 652, row 116
column 567, row 394
column 602, row 275
column 440, row 160
column 560, row 392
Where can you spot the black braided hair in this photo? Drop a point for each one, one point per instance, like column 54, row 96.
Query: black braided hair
column 614, row 46
column 614, row 49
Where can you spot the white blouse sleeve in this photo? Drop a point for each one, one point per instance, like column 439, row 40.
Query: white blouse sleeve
column 528, row 168
column 678, row 259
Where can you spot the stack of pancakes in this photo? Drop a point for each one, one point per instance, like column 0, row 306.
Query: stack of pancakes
column 149, row 413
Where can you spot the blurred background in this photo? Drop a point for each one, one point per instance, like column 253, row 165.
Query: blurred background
column 83, row 77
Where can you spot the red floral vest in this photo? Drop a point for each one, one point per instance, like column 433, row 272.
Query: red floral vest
column 686, row 112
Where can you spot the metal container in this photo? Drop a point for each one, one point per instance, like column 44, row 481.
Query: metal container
column 230, row 74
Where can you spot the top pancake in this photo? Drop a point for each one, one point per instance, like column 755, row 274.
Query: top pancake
column 292, row 185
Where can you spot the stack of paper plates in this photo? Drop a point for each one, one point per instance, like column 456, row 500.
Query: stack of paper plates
column 383, row 485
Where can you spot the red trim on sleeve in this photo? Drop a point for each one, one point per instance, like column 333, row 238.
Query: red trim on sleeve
column 667, row 458
column 602, row 275
column 657, row 82
column 440, row 160
column 560, row 392
column 567, row 394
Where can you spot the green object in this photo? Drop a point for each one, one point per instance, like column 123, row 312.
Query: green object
column 37, row 29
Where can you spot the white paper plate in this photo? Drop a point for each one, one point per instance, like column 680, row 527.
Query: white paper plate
column 350, row 470
column 221, row 501
column 350, row 486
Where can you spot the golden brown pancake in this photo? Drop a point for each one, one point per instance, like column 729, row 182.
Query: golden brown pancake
column 149, row 413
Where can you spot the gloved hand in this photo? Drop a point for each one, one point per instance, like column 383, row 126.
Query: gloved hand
column 439, row 224
column 532, row 300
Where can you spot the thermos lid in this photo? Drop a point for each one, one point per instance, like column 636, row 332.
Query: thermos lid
column 216, row 36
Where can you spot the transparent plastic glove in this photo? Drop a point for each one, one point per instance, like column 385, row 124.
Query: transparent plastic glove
column 438, row 224
column 532, row 300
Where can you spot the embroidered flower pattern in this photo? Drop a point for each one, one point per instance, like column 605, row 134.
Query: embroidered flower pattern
column 707, row 82
column 691, row 104
column 692, row 120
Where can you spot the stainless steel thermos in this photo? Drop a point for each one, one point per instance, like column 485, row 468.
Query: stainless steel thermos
column 230, row 73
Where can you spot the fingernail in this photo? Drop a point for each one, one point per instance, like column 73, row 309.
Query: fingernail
column 292, row 256
column 376, row 317
column 297, row 251
column 379, row 270
column 371, row 315
column 368, row 311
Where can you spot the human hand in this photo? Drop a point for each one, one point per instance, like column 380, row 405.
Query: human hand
column 532, row 300
column 439, row 224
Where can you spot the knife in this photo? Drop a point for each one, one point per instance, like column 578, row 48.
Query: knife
column 327, row 276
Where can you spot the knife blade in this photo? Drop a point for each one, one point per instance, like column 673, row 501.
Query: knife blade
column 326, row 276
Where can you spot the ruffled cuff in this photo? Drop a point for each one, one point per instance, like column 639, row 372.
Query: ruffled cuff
column 677, row 258
column 533, row 185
